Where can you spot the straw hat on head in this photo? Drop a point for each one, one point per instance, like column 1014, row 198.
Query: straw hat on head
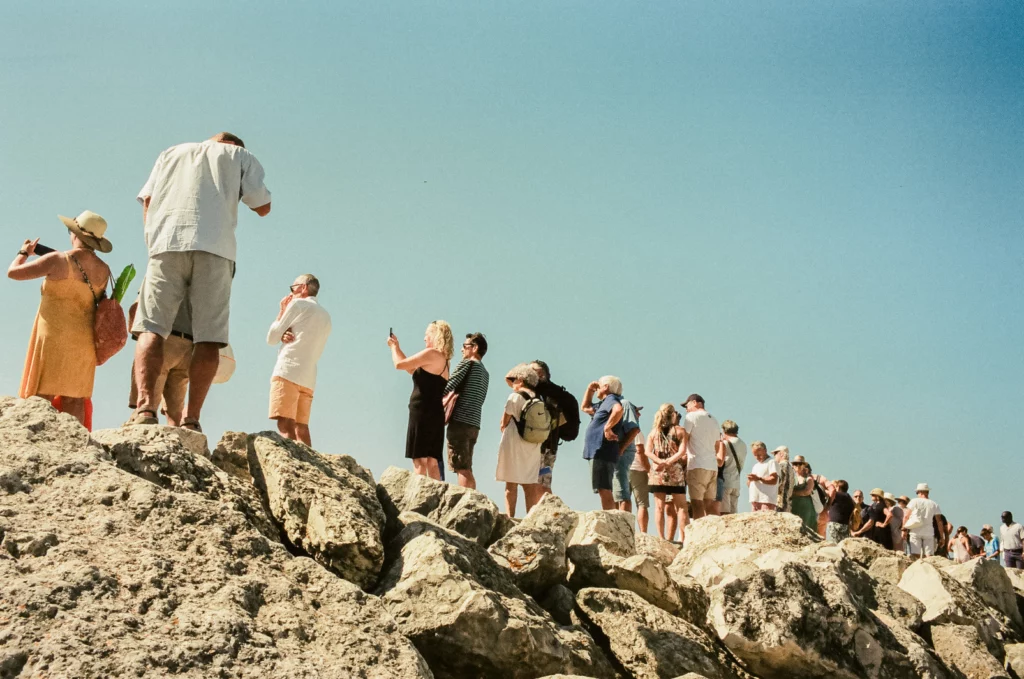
column 90, row 227
column 889, row 497
column 878, row 492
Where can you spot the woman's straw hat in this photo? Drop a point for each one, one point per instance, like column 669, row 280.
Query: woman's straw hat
column 90, row 227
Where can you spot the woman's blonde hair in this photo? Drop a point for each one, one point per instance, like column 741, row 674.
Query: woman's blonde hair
column 663, row 418
column 440, row 334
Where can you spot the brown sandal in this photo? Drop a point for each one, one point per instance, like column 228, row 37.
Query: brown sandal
column 192, row 424
column 138, row 418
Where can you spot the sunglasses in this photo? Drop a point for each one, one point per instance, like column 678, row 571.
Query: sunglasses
column 293, row 286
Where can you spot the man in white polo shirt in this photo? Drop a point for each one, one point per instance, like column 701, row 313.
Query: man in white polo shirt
column 190, row 211
column 919, row 523
column 699, row 439
column 302, row 327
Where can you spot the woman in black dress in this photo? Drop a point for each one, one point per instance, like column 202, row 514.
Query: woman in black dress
column 424, row 441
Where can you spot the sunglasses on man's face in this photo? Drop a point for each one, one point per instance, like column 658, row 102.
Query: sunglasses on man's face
column 294, row 286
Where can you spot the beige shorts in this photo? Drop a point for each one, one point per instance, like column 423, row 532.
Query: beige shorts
column 730, row 501
column 289, row 400
column 201, row 279
column 172, row 383
column 703, row 484
column 640, row 487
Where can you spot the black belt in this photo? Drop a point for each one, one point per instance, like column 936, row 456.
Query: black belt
column 183, row 335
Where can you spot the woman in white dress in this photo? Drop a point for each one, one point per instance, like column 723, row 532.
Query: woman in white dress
column 519, row 461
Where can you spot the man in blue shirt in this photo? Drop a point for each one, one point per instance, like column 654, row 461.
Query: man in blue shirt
column 992, row 549
column 601, row 441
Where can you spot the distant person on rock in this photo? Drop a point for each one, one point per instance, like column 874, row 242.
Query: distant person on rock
column 627, row 455
column 302, row 328
column 424, row 439
column 960, row 545
column 873, row 528
column 565, row 418
column 601, row 441
column 763, row 480
column 1011, row 538
column 61, row 359
column 190, row 211
column 840, row 511
column 639, row 482
column 469, row 382
column 821, row 490
column 172, row 383
column 992, row 547
column 894, row 521
column 668, row 471
column 920, row 521
column 735, row 457
column 803, row 487
column 701, row 433
column 525, row 425
column 787, row 478
column 859, row 510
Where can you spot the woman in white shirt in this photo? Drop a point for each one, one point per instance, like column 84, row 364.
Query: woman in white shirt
column 763, row 480
column 519, row 461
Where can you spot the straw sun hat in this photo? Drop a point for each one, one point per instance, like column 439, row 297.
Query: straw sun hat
column 90, row 227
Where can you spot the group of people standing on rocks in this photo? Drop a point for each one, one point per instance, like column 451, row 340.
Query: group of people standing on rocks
column 692, row 465
column 181, row 317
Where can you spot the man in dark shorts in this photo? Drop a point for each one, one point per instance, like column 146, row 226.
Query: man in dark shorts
column 469, row 380
column 601, row 442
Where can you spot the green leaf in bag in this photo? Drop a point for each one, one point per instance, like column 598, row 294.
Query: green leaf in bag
column 123, row 281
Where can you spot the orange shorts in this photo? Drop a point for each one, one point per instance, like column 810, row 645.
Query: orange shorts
column 289, row 400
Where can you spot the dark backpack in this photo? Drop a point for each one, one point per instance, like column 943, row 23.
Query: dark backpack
column 568, row 407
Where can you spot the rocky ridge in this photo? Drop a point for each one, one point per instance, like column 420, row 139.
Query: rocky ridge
column 140, row 552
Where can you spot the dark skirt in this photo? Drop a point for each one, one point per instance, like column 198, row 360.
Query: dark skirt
column 669, row 490
column 425, row 436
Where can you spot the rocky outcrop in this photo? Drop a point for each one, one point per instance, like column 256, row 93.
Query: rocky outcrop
column 534, row 551
column 602, row 554
column 326, row 505
column 962, row 648
column 232, row 455
column 463, row 510
column 466, row 615
column 1015, row 658
column 648, row 643
column 658, row 548
column 176, row 459
column 152, row 569
column 993, row 585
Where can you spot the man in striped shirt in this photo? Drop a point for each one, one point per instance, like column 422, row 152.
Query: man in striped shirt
column 469, row 380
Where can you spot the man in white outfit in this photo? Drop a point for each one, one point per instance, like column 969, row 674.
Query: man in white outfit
column 919, row 523
column 302, row 327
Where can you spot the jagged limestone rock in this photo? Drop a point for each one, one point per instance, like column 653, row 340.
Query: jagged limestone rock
column 534, row 551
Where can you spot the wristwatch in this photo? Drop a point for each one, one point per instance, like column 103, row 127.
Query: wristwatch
column 23, row 252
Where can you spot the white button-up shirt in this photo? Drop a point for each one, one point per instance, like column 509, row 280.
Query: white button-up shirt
column 311, row 324
column 194, row 191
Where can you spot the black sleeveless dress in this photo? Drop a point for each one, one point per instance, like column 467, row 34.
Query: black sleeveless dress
column 425, row 436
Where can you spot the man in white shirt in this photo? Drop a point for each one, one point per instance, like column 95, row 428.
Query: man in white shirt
column 190, row 211
column 735, row 457
column 919, row 523
column 1011, row 539
column 699, row 439
column 302, row 327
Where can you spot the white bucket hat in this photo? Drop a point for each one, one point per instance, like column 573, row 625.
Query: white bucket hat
column 923, row 488
column 90, row 227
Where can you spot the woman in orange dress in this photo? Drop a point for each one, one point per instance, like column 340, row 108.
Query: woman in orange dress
column 61, row 360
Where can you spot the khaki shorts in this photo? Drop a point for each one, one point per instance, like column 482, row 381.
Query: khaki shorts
column 172, row 383
column 922, row 545
column 730, row 501
column 703, row 484
column 289, row 400
column 639, row 485
column 461, row 442
column 201, row 279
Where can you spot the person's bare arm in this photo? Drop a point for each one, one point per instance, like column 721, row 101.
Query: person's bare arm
column 624, row 443
column 262, row 210
column 145, row 208
column 649, row 452
column 23, row 270
column 587, row 403
column 410, row 363
column 613, row 419
column 888, row 518
column 505, row 419
column 865, row 528
column 720, row 452
column 684, row 442
column 771, row 479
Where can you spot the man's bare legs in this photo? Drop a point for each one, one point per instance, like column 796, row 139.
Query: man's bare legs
column 205, row 359
column 698, row 509
column 286, row 427
column 149, row 361
column 626, row 506
column 641, row 518
column 302, row 433
column 466, row 478
column 607, row 499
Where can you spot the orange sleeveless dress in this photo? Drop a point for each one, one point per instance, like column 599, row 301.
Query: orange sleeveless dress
column 61, row 358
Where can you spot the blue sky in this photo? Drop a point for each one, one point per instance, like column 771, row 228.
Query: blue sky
column 810, row 213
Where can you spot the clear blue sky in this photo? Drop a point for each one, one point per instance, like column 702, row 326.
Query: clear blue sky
column 810, row 213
